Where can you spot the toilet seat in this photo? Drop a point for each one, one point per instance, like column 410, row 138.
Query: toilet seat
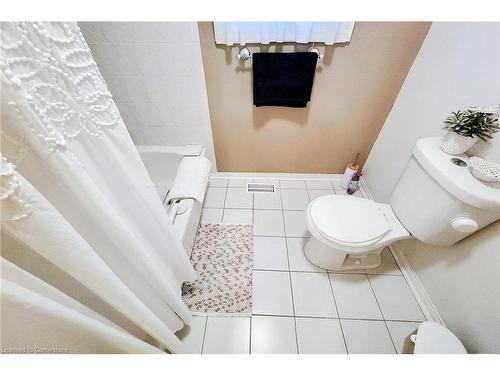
column 348, row 221
column 349, row 233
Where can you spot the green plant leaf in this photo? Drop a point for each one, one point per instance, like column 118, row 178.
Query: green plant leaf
column 472, row 123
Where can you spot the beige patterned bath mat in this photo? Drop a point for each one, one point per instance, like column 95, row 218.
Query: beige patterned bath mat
column 223, row 260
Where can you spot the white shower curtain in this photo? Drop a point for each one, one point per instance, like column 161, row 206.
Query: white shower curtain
column 79, row 211
column 266, row 32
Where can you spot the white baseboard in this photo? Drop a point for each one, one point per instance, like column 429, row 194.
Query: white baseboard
column 364, row 188
column 274, row 176
column 429, row 310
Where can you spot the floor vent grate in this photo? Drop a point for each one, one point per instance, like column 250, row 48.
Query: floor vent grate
column 261, row 188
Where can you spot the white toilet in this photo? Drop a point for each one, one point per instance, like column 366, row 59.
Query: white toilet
column 433, row 338
column 436, row 200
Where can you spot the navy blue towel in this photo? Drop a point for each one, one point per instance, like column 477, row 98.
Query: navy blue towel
column 283, row 79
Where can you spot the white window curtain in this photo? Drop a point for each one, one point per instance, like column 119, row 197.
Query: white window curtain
column 231, row 33
column 88, row 255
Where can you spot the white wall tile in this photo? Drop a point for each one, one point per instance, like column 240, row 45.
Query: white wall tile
column 118, row 88
column 180, row 32
column 134, row 32
column 153, row 59
column 128, row 116
column 93, row 32
column 176, row 62
column 154, row 70
column 136, row 87
column 145, row 113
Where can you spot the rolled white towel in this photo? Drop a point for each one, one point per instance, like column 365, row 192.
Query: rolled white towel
column 191, row 179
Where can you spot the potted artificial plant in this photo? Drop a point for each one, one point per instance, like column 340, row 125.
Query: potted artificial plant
column 465, row 128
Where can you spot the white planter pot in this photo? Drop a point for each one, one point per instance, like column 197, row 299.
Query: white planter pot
column 455, row 144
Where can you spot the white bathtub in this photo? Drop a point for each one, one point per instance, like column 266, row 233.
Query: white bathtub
column 161, row 163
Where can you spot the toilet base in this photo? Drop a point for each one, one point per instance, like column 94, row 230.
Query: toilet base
column 330, row 258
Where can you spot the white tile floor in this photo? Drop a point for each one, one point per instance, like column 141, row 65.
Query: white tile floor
column 298, row 307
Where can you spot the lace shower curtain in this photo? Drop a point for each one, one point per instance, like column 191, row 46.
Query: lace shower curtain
column 89, row 261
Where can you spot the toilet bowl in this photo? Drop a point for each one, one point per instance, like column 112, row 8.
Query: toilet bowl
column 436, row 200
column 350, row 232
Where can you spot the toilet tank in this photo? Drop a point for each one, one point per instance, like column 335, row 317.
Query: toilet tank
column 440, row 202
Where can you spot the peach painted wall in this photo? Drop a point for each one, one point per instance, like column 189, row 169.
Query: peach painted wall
column 354, row 89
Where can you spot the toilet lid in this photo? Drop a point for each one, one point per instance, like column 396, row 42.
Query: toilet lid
column 433, row 338
column 348, row 219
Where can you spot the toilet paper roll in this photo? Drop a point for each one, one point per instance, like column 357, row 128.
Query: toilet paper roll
column 350, row 170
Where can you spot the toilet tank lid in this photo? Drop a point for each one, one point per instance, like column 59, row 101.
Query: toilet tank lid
column 458, row 181
column 433, row 338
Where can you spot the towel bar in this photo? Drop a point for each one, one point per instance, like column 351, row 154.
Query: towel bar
column 246, row 54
